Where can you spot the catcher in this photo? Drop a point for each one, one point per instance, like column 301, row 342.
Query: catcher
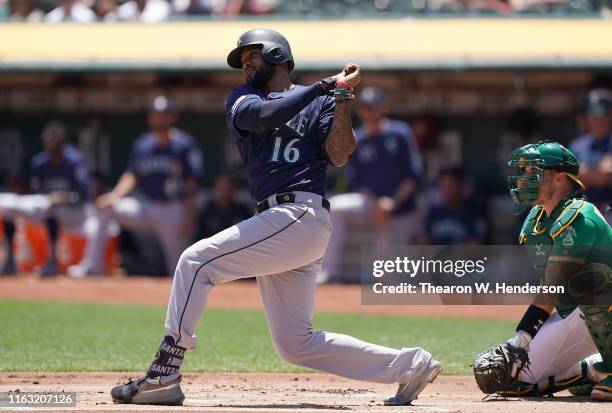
column 572, row 347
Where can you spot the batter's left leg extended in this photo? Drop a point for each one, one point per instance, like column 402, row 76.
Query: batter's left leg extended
column 289, row 304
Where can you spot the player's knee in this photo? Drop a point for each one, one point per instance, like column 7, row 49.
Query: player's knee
column 192, row 258
column 294, row 348
column 189, row 257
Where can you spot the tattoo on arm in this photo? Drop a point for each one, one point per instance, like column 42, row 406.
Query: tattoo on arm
column 340, row 142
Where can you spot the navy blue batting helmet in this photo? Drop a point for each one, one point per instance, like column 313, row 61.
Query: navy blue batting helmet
column 275, row 48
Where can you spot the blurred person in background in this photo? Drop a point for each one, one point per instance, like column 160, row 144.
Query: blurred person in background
column 594, row 151
column 106, row 10
column 26, row 11
column 72, row 11
column 146, row 11
column 194, row 7
column 163, row 168
column 222, row 211
column 60, row 183
column 454, row 220
column 384, row 174
column 235, row 8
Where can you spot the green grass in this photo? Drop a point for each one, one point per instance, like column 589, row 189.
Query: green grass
column 50, row 336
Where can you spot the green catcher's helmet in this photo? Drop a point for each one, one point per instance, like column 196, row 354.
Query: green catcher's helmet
column 529, row 163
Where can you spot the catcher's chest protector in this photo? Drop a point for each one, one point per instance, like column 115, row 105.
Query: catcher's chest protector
column 540, row 231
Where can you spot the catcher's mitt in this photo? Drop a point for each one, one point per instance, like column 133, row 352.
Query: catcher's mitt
column 497, row 368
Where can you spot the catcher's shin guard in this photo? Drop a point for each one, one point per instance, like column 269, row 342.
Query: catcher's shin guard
column 520, row 389
column 523, row 389
column 602, row 391
column 551, row 385
column 581, row 390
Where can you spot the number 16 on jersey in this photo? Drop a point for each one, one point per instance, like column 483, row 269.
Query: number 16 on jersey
column 289, row 153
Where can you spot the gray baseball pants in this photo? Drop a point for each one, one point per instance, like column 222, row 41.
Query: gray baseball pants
column 283, row 246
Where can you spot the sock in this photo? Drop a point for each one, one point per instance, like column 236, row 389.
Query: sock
column 9, row 230
column 9, row 234
column 53, row 230
column 167, row 362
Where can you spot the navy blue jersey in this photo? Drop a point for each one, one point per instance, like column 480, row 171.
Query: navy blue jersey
column 161, row 171
column 590, row 152
column 381, row 162
column 289, row 158
column 69, row 176
column 453, row 226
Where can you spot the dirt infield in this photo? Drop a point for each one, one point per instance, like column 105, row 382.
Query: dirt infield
column 258, row 392
column 306, row 393
column 236, row 295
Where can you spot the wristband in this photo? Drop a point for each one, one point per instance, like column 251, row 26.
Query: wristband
column 343, row 92
column 342, row 95
column 532, row 320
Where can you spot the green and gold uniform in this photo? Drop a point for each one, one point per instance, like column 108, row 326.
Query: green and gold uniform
column 576, row 234
column 574, row 240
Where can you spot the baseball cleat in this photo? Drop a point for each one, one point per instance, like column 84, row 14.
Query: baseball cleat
column 407, row 392
column 48, row 270
column 602, row 391
column 9, row 267
column 149, row 391
column 519, row 389
column 581, row 390
column 81, row 271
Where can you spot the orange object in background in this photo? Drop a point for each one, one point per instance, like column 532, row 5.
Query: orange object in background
column 32, row 247
column 71, row 247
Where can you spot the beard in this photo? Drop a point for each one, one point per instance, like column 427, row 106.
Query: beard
column 547, row 190
column 262, row 76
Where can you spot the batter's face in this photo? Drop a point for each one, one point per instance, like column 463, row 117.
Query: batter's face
column 257, row 72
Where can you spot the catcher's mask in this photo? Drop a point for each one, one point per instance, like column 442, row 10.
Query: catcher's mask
column 529, row 163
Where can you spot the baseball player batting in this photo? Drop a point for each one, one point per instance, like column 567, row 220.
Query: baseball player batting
column 287, row 135
column 567, row 238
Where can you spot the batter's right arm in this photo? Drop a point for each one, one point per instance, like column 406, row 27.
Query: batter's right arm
column 341, row 142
